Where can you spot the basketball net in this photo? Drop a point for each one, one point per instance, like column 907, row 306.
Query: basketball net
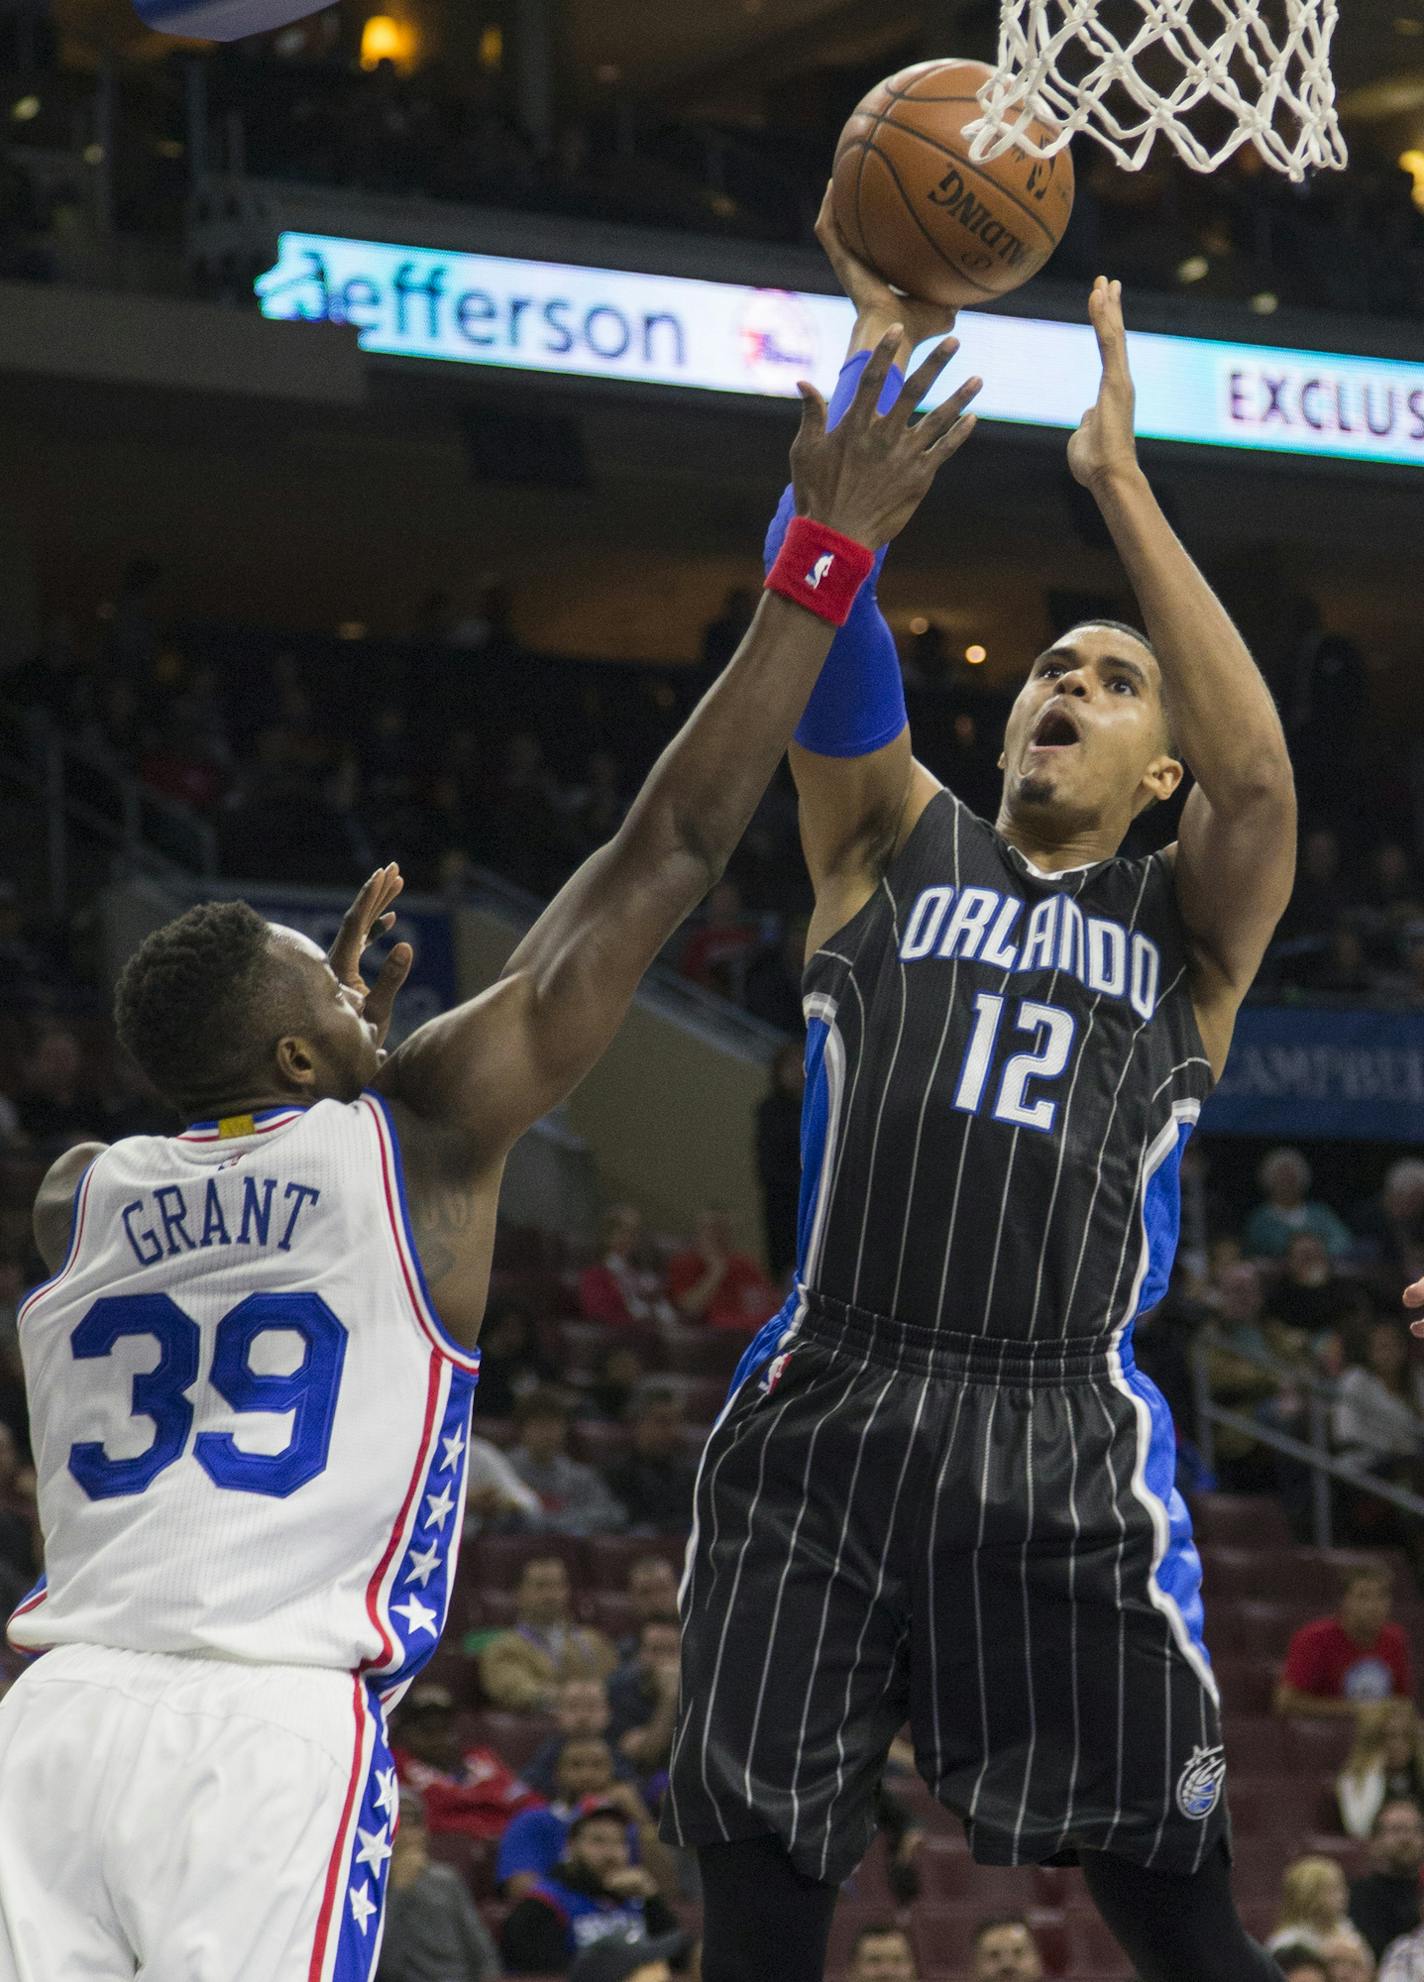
column 1274, row 80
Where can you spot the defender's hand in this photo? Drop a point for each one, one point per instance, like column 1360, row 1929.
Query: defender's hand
column 1414, row 1298
column 1104, row 444
column 868, row 477
column 367, row 918
column 877, row 305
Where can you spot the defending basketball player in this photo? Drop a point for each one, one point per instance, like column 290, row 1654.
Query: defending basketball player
column 941, row 1491
column 250, row 1380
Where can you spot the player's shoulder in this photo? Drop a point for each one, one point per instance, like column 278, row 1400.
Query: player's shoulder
column 56, row 1211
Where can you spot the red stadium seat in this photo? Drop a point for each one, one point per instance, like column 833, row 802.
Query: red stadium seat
column 472, row 1858
column 610, row 1557
column 1248, row 1685
column 1241, row 1520
column 1318, row 1747
column 1258, row 1864
column 515, row 1738
column 1094, row 1950
column 598, row 1443
column 497, row 1561
column 1267, row 1625
column 1267, row 1806
column 1256, row 1747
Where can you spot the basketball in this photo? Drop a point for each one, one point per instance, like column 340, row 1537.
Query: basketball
column 912, row 203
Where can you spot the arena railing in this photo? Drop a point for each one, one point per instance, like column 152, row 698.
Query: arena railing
column 1325, row 1467
column 78, row 791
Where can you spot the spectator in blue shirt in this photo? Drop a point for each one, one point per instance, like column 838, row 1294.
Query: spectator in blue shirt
column 592, row 1892
column 1284, row 1177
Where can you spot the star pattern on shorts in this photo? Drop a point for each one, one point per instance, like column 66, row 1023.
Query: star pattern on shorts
column 386, row 1792
column 375, row 1849
column 423, row 1565
column 454, row 1449
column 363, row 1907
column 438, row 1507
column 418, row 1616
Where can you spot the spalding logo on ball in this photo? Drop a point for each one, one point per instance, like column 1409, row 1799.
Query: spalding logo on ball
column 912, row 203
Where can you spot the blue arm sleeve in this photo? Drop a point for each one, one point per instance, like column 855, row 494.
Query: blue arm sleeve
column 858, row 704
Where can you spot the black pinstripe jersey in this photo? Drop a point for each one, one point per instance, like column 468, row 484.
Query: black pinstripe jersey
column 1003, row 1069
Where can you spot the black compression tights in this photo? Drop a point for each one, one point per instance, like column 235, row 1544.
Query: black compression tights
column 761, row 1917
column 1177, row 1929
column 764, row 1918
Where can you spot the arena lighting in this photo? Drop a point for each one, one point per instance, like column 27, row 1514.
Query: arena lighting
column 385, row 39
column 583, row 322
column 919, row 624
column 1193, row 268
column 1412, row 162
column 1264, row 303
column 26, row 110
column 976, row 655
column 491, row 54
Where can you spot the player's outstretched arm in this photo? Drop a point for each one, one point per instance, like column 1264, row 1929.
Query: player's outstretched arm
column 486, row 1073
column 1235, row 855
column 861, row 790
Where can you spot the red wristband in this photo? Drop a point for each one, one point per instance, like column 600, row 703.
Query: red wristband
column 820, row 569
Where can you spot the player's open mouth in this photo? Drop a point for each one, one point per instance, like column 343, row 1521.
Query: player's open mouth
column 1054, row 730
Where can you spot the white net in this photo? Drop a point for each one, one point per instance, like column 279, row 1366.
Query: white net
column 1159, row 61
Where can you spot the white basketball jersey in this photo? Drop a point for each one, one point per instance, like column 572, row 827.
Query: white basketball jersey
column 249, row 1425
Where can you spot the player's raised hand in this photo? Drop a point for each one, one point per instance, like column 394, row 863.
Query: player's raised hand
column 869, row 476
column 877, row 305
column 1414, row 1298
column 1104, row 444
column 368, row 917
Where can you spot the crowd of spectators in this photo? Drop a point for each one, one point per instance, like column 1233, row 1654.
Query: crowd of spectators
column 366, row 750
column 299, row 106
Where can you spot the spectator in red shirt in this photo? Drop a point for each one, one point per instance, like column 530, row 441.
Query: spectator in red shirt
column 718, row 953
column 715, row 1284
column 620, row 1290
column 1336, row 1665
column 465, row 1789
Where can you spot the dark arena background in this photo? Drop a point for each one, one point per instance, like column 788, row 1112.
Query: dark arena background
column 391, row 411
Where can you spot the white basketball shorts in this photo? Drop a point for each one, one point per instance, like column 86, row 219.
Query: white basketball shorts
column 191, row 1820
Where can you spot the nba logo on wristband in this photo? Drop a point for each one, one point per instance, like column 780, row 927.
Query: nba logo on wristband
column 820, row 569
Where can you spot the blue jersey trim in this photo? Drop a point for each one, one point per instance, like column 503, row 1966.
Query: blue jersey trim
column 1162, row 1220
column 1179, row 1573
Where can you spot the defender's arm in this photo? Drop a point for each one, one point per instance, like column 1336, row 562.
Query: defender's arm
column 470, row 1083
column 53, row 1216
column 1235, row 856
column 861, row 791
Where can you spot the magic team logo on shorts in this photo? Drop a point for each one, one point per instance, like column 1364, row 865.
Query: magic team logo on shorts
column 1199, row 1784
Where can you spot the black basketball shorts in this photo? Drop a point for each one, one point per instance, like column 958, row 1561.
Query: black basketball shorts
column 980, row 1538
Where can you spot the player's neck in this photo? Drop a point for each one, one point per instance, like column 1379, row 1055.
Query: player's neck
column 262, row 1102
column 1057, row 853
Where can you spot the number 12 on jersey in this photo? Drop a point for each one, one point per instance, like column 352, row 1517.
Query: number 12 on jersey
column 1053, row 1031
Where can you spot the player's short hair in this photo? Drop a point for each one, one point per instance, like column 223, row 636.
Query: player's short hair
column 202, row 999
column 994, row 1921
column 878, row 1930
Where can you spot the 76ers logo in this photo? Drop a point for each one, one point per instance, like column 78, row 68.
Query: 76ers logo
column 1199, row 1784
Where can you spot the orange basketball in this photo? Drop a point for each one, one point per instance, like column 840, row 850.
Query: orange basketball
column 912, row 203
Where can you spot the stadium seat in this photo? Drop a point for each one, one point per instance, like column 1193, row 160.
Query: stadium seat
column 1267, row 1806
column 1255, row 1747
column 1248, row 1685
column 1318, row 1747
column 515, row 1738
column 1266, row 1625
column 583, row 1344
column 598, row 1443
column 1241, row 1520
column 703, row 1352
column 472, row 1858
column 497, row 1561
column 610, row 1557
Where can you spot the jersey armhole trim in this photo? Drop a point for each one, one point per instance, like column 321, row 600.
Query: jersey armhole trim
column 837, row 939
column 77, row 1216
column 402, row 1231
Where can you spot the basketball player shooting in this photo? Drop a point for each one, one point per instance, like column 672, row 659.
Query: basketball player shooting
column 941, row 1491
column 250, row 1379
